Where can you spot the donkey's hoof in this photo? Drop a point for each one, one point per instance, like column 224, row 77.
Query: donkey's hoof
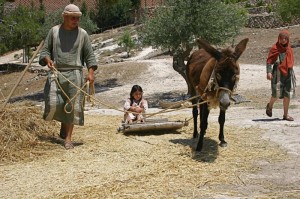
column 195, row 154
column 223, row 144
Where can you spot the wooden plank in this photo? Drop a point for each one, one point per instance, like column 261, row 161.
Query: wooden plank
column 155, row 120
column 152, row 126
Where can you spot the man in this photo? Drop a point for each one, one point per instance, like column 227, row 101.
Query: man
column 66, row 50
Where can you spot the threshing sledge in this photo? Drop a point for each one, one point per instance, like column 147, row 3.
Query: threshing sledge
column 152, row 124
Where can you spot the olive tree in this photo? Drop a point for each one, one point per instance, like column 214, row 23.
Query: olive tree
column 20, row 28
column 176, row 25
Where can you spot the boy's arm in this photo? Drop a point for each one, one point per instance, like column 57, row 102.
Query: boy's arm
column 269, row 68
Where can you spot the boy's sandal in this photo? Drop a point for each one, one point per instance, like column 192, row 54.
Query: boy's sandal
column 288, row 118
column 269, row 110
column 69, row 145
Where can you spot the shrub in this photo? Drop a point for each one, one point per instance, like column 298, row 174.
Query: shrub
column 126, row 41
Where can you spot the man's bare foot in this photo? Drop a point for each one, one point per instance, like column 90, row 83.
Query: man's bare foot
column 69, row 145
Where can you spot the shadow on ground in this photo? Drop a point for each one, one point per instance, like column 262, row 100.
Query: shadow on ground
column 209, row 152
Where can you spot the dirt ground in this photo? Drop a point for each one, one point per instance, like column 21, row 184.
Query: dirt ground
column 261, row 160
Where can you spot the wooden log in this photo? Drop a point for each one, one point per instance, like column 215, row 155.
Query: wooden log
column 155, row 120
column 149, row 126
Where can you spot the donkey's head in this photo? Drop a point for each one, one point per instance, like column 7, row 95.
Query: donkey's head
column 226, row 71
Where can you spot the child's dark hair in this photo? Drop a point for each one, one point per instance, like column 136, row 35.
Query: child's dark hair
column 133, row 90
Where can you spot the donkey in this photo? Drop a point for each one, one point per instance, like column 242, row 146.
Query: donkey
column 213, row 75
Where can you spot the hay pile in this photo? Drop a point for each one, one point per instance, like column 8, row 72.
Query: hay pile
column 22, row 129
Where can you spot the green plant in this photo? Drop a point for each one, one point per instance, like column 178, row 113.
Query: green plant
column 112, row 13
column 260, row 3
column 288, row 9
column 21, row 28
column 248, row 5
column 3, row 48
column 269, row 8
column 126, row 41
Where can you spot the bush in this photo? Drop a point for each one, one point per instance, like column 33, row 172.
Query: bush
column 126, row 42
column 110, row 14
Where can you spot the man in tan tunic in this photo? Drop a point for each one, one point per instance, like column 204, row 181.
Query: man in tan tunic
column 67, row 49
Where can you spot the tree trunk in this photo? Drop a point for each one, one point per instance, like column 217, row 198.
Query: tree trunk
column 180, row 67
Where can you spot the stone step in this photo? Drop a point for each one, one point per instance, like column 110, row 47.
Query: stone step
column 267, row 20
column 258, row 10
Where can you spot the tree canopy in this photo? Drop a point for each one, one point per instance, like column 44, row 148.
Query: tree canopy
column 20, row 28
column 113, row 13
column 181, row 21
column 176, row 26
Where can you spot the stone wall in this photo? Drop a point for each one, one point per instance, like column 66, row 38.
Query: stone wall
column 264, row 20
column 268, row 20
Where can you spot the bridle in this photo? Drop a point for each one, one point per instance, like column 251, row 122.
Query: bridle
column 213, row 84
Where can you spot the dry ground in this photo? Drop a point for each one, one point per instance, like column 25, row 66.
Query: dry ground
column 261, row 160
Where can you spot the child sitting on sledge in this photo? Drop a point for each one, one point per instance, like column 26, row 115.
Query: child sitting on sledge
column 135, row 106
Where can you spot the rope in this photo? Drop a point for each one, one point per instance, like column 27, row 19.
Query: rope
column 183, row 107
column 167, row 110
column 69, row 101
column 117, row 109
column 87, row 94
column 91, row 90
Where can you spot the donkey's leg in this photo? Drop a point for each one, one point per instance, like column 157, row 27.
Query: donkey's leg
column 195, row 117
column 223, row 143
column 204, row 112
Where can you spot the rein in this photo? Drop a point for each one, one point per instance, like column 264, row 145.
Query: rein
column 92, row 98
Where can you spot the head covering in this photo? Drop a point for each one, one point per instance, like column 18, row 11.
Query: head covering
column 72, row 10
column 277, row 48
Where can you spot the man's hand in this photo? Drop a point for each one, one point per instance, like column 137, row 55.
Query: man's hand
column 91, row 77
column 49, row 62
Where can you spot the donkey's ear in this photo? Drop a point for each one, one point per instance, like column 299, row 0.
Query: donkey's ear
column 240, row 48
column 208, row 48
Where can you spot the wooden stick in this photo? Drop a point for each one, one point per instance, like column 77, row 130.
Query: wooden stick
column 23, row 73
